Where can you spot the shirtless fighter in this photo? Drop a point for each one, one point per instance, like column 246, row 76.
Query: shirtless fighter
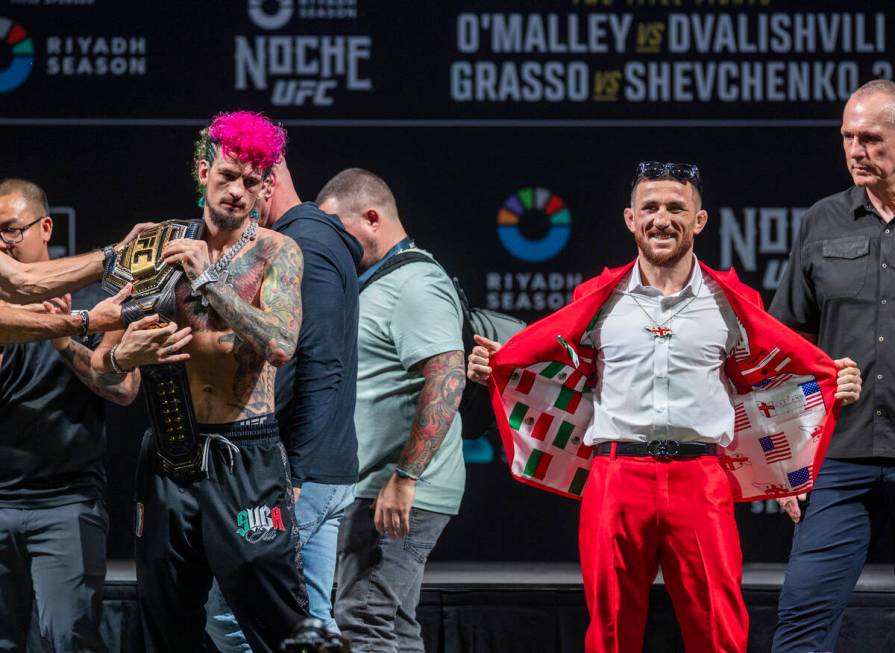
column 238, row 309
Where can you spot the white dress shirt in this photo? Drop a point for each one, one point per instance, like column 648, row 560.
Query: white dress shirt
column 671, row 388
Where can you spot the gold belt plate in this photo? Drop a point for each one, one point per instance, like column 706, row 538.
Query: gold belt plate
column 140, row 261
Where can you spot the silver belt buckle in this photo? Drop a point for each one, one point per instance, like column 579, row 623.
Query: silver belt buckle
column 663, row 448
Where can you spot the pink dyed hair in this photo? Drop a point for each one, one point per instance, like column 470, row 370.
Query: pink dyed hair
column 249, row 138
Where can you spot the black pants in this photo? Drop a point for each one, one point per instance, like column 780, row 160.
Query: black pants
column 237, row 524
column 56, row 558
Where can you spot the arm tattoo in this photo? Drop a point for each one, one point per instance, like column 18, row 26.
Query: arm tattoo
column 105, row 384
column 439, row 400
column 272, row 329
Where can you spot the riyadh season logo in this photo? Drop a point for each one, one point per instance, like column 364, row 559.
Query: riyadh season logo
column 276, row 14
column 264, row 18
column 534, row 224
column 16, row 55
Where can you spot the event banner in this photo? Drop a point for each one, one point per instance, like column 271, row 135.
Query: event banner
column 385, row 59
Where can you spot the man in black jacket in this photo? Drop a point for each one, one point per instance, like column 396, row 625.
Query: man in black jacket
column 315, row 395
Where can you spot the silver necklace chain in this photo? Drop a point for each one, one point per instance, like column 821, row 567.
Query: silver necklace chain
column 217, row 271
column 249, row 234
column 666, row 320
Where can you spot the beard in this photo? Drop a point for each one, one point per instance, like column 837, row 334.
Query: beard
column 371, row 255
column 665, row 259
column 226, row 221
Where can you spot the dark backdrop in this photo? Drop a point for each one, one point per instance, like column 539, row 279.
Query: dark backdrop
column 458, row 106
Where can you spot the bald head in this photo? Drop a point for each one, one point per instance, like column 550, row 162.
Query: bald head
column 356, row 189
column 24, row 220
column 879, row 92
column 367, row 208
column 278, row 197
column 33, row 194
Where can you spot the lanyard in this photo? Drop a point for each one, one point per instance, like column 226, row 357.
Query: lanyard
column 407, row 243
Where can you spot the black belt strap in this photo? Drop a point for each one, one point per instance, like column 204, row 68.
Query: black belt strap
column 659, row 449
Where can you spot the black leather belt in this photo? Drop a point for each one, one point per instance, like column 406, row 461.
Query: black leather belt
column 659, row 449
column 174, row 427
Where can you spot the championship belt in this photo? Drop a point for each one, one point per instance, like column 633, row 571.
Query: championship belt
column 166, row 388
column 140, row 263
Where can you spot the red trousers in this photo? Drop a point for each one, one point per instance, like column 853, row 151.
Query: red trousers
column 640, row 512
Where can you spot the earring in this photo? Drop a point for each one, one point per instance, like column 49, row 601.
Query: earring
column 254, row 215
column 201, row 202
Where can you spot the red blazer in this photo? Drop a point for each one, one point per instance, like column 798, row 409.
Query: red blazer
column 782, row 390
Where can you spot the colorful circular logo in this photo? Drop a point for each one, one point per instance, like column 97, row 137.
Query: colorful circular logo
column 537, row 205
column 16, row 38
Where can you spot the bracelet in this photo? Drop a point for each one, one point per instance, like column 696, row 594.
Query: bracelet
column 114, row 362
column 403, row 473
column 85, row 322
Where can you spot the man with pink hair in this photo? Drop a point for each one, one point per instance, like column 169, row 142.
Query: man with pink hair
column 227, row 513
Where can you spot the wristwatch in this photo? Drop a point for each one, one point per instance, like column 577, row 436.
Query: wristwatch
column 85, row 321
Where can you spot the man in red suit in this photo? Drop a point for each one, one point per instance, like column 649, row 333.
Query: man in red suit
column 660, row 396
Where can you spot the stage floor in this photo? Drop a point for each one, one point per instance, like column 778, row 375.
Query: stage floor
column 514, row 607
column 559, row 575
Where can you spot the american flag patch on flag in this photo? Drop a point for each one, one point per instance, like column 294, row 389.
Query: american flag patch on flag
column 813, row 396
column 799, row 479
column 775, row 447
column 740, row 418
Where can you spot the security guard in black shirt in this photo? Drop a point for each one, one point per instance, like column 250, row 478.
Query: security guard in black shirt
column 53, row 521
column 839, row 290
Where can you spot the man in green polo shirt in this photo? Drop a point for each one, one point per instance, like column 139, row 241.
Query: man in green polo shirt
column 409, row 383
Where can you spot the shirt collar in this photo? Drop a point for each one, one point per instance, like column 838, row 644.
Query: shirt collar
column 690, row 289
column 859, row 202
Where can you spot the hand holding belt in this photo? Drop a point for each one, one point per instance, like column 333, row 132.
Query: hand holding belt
column 166, row 387
column 140, row 262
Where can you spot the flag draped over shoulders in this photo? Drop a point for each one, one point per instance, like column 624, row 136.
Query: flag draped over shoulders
column 782, row 391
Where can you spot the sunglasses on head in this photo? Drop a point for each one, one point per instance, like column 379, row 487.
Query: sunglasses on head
column 659, row 170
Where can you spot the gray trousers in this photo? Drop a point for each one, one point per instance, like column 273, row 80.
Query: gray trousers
column 379, row 580
column 56, row 558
